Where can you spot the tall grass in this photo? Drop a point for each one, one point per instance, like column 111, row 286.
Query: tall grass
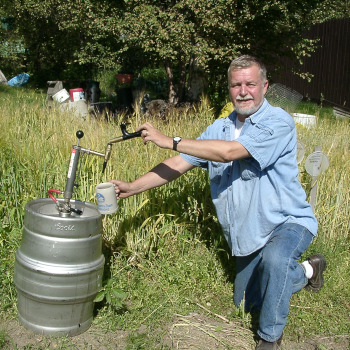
column 169, row 237
column 333, row 198
column 35, row 150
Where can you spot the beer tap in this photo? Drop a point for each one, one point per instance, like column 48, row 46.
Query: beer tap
column 64, row 207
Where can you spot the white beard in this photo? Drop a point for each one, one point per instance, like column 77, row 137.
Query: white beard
column 247, row 111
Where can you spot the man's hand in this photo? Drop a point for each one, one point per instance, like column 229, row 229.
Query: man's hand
column 150, row 133
column 122, row 188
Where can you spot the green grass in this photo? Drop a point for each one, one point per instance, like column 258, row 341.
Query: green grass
column 3, row 338
column 164, row 248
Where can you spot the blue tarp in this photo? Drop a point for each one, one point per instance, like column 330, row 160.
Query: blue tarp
column 19, row 80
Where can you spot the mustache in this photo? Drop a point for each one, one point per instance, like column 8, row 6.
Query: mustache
column 246, row 98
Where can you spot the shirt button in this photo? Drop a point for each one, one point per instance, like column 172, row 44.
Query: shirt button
column 230, row 188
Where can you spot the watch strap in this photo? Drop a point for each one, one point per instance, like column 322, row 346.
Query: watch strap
column 176, row 140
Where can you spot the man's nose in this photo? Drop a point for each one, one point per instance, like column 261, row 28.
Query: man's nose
column 243, row 90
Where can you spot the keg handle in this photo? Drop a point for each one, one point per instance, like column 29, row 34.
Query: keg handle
column 125, row 136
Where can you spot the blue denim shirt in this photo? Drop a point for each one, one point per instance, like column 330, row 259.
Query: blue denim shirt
column 254, row 195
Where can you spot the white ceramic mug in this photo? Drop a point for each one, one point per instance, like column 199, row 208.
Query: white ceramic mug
column 106, row 198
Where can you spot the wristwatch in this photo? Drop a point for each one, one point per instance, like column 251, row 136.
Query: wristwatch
column 176, row 140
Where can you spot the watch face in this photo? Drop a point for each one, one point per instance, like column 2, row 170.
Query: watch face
column 177, row 139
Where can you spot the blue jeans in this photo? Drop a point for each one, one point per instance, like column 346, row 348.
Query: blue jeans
column 266, row 279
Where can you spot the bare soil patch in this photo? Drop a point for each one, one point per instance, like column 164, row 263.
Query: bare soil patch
column 195, row 331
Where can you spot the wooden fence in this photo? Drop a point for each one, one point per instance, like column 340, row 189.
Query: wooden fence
column 330, row 65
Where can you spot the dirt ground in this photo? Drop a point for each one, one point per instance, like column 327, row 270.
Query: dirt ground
column 195, row 331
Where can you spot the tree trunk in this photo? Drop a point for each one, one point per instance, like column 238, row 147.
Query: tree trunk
column 173, row 98
column 182, row 82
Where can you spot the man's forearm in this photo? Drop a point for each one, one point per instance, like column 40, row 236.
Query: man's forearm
column 161, row 174
column 214, row 150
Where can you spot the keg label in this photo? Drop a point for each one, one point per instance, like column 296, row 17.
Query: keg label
column 71, row 163
column 61, row 227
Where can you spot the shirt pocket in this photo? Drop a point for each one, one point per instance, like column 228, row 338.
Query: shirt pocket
column 260, row 132
column 249, row 169
column 216, row 171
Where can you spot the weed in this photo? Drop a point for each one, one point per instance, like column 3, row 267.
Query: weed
column 113, row 295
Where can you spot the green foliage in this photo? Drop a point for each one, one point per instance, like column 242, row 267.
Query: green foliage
column 3, row 339
column 12, row 51
column 73, row 40
column 332, row 10
column 113, row 295
column 108, row 82
column 153, row 74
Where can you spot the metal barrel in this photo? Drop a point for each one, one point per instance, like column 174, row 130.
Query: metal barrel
column 58, row 268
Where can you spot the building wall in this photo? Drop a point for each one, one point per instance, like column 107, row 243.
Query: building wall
column 330, row 65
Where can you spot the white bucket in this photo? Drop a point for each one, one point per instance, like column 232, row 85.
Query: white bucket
column 306, row 120
column 61, row 96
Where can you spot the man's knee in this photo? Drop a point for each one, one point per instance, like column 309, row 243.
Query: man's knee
column 272, row 263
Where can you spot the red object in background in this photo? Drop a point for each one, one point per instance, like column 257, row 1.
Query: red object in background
column 76, row 94
column 125, row 78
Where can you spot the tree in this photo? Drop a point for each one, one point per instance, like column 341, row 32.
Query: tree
column 47, row 48
column 11, row 48
column 183, row 35
column 186, row 34
column 179, row 35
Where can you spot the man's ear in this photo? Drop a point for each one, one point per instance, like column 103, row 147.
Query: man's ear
column 266, row 85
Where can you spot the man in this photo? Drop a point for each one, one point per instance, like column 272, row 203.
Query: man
column 261, row 206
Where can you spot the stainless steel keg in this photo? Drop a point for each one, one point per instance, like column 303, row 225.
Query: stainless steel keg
column 59, row 267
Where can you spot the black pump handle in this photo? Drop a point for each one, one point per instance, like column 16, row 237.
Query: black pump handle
column 127, row 135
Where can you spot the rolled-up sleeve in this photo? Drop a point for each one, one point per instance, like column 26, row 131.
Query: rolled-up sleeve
column 267, row 141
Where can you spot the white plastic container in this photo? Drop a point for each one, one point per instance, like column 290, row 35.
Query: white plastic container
column 306, row 120
column 61, row 96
